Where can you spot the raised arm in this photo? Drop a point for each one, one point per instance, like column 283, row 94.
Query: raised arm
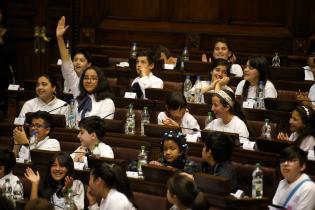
column 34, row 178
column 60, row 30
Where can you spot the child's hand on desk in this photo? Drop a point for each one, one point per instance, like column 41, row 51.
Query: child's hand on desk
column 154, row 162
column 282, row 136
column 170, row 122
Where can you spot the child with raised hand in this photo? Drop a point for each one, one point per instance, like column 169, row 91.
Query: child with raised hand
column 57, row 182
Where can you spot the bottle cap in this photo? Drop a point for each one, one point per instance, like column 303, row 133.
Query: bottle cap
column 142, row 147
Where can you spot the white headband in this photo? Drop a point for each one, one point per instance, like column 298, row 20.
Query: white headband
column 225, row 97
column 307, row 112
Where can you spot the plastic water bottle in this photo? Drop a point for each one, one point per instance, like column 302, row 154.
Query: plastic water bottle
column 266, row 130
column 145, row 119
column 72, row 115
column 276, row 60
column 185, row 54
column 18, row 192
column 208, row 119
column 257, row 182
column 198, row 90
column 68, row 47
column 7, row 189
column 142, row 160
column 96, row 151
column 133, row 52
column 130, row 121
column 69, row 202
column 187, row 88
column 260, row 104
column 182, row 65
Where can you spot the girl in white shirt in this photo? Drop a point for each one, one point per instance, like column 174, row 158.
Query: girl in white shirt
column 91, row 90
column 228, row 115
column 222, row 49
column 296, row 191
column 302, row 126
column 46, row 100
column 109, row 182
column 57, row 182
column 183, row 193
column 256, row 71
column 177, row 115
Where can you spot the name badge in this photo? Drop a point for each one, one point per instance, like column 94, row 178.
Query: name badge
column 169, row 66
column 130, row 95
column 248, row 104
column 249, row 145
column 78, row 166
column 311, row 155
column 19, row 121
column 13, row 87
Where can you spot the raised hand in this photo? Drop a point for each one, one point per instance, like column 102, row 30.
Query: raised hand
column 19, row 135
column 31, row 176
column 68, row 183
column 61, row 27
column 282, row 136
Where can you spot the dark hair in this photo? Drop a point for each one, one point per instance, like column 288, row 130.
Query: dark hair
column 114, row 177
column 49, row 186
column 292, row 152
column 94, row 124
column 180, row 140
column 236, row 108
column 43, row 115
column 221, row 62
column 261, row 64
column 52, row 79
column 5, row 203
column 187, row 192
column 39, row 204
column 158, row 50
column 85, row 53
column 147, row 53
column 226, row 42
column 220, row 144
column 307, row 115
column 102, row 89
column 7, row 159
column 175, row 100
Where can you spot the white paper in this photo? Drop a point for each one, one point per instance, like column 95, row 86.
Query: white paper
column 19, row 121
column 78, row 165
column 13, row 87
column 248, row 104
column 130, row 95
column 249, row 145
column 310, row 155
column 169, row 66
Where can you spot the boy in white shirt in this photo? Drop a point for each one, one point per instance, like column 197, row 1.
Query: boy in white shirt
column 41, row 123
column 144, row 66
column 92, row 131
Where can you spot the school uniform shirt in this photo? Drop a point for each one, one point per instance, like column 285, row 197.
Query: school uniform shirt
column 174, row 207
column 45, row 144
column 236, row 125
column 13, row 179
column 269, row 91
column 308, row 74
column 307, row 144
column 37, row 104
column 149, row 81
column 102, row 108
column 236, row 70
column 106, row 151
column 114, row 201
column 78, row 197
column 188, row 121
column 311, row 94
column 303, row 198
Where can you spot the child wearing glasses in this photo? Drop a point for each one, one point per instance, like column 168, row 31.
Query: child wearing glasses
column 173, row 148
column 41, row 123
column 88, row 83
column 296, row 191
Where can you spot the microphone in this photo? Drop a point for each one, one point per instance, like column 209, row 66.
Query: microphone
column 65, row 104
column 108, row 115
